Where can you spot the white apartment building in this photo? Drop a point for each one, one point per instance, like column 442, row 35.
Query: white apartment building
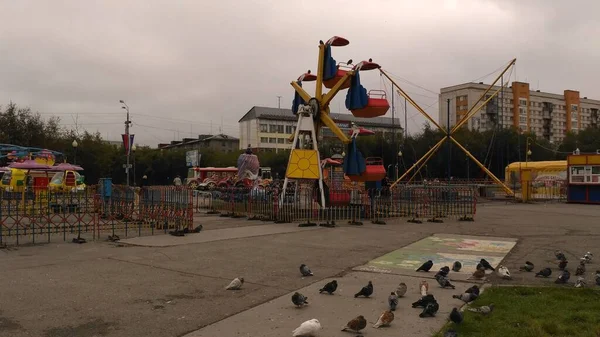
column 268, row 129
column 547, row 115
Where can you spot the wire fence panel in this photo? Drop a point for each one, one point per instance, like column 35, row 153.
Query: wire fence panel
column 92, row 213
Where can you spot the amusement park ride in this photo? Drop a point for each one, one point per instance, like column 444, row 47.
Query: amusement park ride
column 313, row 113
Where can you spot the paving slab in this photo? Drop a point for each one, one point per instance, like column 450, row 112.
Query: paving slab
column 443, row 250
column 279, row 317
column 216, row 235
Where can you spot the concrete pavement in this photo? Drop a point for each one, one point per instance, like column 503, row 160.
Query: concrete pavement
column 101, row 289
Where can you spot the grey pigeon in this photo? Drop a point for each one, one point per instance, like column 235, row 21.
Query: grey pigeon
column 580, row 269
column 401, row 289
column 559, row 255
column 423, row 301
column 466, row 297
column 528, row 266
column 486, row 264
column 587, row 258
column 598, row 277
column 456, row 266
column 430, row 309
column 473, row 290
column 445, row 270
column 426, row 266
column 299, row 300
column 450, row 333
column 480, row 267
column 456, row 316
column 366, row 291
column 305, row 271
column 330, row 287
column 236, row 284
column 444, row 282
column 562, row 264
column 563, row 277
column 546, row 272
column 485, row 309
column 580, row 282
column 393, row 301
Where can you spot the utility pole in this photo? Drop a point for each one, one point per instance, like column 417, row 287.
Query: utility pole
column 128, row 149
column 278, row 102
column 405, row 121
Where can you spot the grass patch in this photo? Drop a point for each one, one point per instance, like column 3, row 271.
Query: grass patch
column 533, row 312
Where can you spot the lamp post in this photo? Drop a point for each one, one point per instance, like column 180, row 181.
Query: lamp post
column 467, row 162
column 127, row 124
column 133, row 149
column 398, row 158
column 75, row 144
column 527, row 150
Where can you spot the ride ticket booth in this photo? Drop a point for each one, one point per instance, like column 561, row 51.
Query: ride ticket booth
column 583, row 174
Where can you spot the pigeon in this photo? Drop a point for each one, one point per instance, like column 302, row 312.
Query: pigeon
column 484, row 309
column 299, row 300
column 444, row 271
column 423, row 287
column 562, row 264
column 426, row 266
column 356, row 324
column 430, row 309
column 598, row 277
column 330, row 287
column 366, row 291
column 456, row 316
column 444, row 282
column 401, row 290
column 528, row 266
column 236, row 284
column 486, row 265
column 546, row 272
column 559, row 255
column 385, row 319
column 580, row 269
column 480, row 267
column 580, row 282
column 305, row 271
column 307, row 329
column 451, row 333
column 456, row 266
column 423, row 301
column 393, row 301
column 587, row 258
column 479, row 274
column 563, row 277
column 113, row 238
column 473, row 290
column 503, row 272
column 466, row 297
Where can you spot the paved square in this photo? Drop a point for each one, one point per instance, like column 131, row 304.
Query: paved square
column 443, row 250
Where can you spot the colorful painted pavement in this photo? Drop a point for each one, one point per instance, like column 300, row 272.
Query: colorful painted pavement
column 443, row 250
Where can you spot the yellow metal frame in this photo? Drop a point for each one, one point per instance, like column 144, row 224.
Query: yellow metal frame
column 474, row 109
column 324, row 99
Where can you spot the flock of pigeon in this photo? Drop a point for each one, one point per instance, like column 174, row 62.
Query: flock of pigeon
column 427, row 302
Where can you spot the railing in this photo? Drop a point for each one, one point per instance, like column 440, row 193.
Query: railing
column 354, row 205
column 552, row 190
column 44, row 215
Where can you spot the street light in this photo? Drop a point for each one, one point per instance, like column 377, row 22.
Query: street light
column 398, row 164
column 528, row 150
column 74, row 144
column 127, row 124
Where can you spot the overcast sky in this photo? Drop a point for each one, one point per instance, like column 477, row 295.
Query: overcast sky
column 183, row 66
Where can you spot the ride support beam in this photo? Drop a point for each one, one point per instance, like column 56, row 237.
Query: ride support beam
column 333, row 127
column 319, row 91
column 305, row 96
column 328, row 97
column 488, row 172
column 425, row 157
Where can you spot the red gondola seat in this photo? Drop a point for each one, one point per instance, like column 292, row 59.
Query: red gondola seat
column 340, row 73
column 377, row 105
column 375, row 171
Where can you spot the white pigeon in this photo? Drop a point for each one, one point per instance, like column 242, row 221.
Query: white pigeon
column 587, row 258
column 309, row 328
column 503, row 272
column 236, row 284
column 401, row 290
column 580, row 282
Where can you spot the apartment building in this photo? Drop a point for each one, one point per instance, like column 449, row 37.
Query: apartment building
column 268, row 129
column 220, row 143
column 547, row 115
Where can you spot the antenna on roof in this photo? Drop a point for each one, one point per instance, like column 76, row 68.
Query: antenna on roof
column 279, row 102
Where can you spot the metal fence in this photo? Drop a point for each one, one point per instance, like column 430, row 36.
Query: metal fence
column 355, row 206
column 554, row 190
column 94, row 213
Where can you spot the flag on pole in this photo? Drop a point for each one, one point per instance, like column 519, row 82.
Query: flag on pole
column 127, row 143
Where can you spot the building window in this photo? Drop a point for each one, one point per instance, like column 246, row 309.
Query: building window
column 289, row 129
column 523, row 120
column 522, row 102
column 279, row 128
column 522, row 111
column 264, row 128
column 272, row 140
column 280, row 140
column 264, row 139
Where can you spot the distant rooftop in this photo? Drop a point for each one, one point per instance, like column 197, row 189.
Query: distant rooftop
column 201, row 138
